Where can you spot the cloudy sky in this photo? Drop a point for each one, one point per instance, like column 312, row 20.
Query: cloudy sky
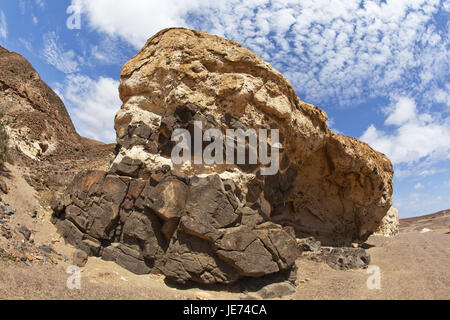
column 380, row 69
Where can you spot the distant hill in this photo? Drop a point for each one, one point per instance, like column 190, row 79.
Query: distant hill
column 42, row 136
column 438, row 220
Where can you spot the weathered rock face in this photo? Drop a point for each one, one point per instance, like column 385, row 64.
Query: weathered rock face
column 38, row 122
column 332, row 187
column 217, row 223
column 187, row 229
column 390, row 225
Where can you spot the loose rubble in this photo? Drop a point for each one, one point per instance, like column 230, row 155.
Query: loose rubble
column 17, row 242
column 339, row 258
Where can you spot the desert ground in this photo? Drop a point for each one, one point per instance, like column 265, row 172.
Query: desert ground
column 413, row 264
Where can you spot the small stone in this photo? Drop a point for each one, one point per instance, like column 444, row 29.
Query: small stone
column 80, row 258
column 25, row 232
column 46, row 249
column 355, row 245
column 7, row 210
column 248, row 296
column 309, row 244
column 276, row 290
column 348, row 258
column 3, row 187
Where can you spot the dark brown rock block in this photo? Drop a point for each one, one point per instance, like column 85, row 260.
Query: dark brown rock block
column 208, row 209
column 191, row 259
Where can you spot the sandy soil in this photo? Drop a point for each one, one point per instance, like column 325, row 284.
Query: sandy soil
column 413, row 265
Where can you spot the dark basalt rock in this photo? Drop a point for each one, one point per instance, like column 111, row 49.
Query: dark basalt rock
column 242, row 249
column 187, row 228
column 127, row 167
column 190, row 258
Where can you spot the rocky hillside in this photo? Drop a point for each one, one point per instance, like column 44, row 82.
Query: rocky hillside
column 38, row 120
column 42, row 137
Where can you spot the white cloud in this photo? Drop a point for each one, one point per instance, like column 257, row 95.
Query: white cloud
column 344, row 50
column 417, row 136
column 92, row 105
column 54, row 53
column 24, row 5
column 403, row 111
column 107, row 51
column 443, row 95
column 137, row 22
column 418, row 186
column 27, row 44
column 3, row 26
column 40, row 3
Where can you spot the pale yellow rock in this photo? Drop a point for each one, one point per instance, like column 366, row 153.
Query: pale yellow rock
column 390, row 224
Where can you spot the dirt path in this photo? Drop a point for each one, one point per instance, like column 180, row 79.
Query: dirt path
column 412, row 265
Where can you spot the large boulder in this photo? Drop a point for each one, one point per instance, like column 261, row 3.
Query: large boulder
column 210, row 222
column 332, row 187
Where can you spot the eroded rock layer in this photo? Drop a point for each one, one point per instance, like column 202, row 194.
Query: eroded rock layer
column 390, row 225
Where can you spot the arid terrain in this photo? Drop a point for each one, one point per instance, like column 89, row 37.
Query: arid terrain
column 413, row 265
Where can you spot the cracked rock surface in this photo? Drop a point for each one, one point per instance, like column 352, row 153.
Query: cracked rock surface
column 154, row 228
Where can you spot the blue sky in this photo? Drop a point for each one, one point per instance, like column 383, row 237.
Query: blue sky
column 380, row 69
